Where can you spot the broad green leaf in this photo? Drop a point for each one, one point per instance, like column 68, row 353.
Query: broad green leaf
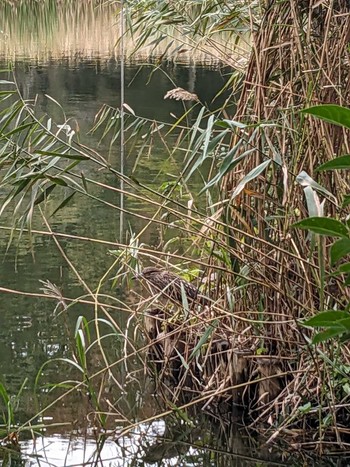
column 344, row 268
column 323, row 226
column 330, row 113
column 327, row 319
column 339, row 249
column 342, row 162
column 326, row 335
column 345, row 323
column 249, row 177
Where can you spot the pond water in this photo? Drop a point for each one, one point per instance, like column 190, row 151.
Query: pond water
column 82, row 75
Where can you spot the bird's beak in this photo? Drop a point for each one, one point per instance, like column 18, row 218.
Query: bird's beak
column 136, row 276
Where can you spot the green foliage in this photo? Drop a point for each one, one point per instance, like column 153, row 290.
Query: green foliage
column 9, row 405
column 342, row 162
column 254, row 173
column 153, row 22
column 330, row 113
column 336, row 323
column 324, row 226
column 339, row 250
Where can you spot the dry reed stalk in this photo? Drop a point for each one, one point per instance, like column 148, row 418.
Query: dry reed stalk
column 183, row 363
column 300, row 57
column 295, row 63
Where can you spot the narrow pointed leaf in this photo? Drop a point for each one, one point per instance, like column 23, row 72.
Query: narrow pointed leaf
column 64, row 202
column 326, row 335
column 232, row 124
column 249, row 177
column 330, row 113
column 342, row 162
column 214, row 141
column 327, row 319
column 206, row 335
column 44, row 195
column 304, row 179
column 344, row 268
column 83, row 179
column 227, row 165
column 56, row 180
column 323, row 226
column 78, row 157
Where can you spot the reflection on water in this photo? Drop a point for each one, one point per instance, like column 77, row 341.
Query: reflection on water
column 51, row 30
column 157, row 443
column 165, row 443
column 63, row 450
column 86, row 29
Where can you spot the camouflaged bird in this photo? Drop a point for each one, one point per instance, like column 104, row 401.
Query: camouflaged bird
column 170, row 286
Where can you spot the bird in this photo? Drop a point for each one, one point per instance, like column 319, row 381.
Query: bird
column 170, row 285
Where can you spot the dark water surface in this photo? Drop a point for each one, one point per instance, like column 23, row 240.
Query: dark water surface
column 31, row 333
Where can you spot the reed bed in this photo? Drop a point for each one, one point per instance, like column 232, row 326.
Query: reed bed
column 262, row 277
column 294, row 63
column 61, row 30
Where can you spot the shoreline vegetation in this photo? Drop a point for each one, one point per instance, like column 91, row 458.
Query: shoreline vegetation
column 243, row 243
column 46, row 30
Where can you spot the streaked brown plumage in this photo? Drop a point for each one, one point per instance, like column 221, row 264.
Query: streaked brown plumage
column 170, row 285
